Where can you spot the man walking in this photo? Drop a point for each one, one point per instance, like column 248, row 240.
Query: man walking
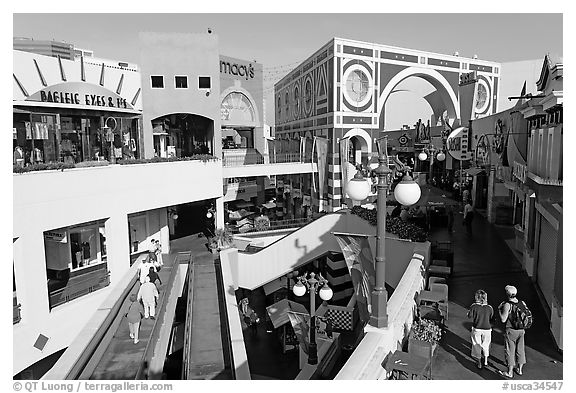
column 514, row 335
column 468, row 216
column 148, row 294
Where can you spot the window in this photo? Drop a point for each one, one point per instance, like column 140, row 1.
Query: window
column 204, row 82
column 357, row 85
column 75, row 261
column 287, row 103
column 181, row 82
column 157, row 81
column 279, row 107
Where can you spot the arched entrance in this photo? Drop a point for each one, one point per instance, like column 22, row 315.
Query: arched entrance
column 359, row 146
column 239, row 117
column 182, row 135
column 448, row 100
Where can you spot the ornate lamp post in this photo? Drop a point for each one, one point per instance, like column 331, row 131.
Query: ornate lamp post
column 407, row 192
column 431, row 150
column 313, row 285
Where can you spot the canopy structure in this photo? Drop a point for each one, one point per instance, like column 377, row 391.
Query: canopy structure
column 278, row 312
column 432, row 197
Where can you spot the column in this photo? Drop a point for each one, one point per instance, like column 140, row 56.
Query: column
column 164, row 231
column 118, row 247
column 220, row 212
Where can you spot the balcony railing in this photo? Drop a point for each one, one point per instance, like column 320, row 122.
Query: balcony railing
column 277, row 224
column 79, row 286
column 258, row 159
column 16, row 310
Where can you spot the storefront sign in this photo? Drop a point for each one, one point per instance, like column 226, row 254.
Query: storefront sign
column 457, row 144
column 55, row 236
column 77, row 93
column 246, row 71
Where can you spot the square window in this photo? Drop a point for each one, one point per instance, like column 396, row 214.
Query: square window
column 204, row 82
column 157, row 81
column 181, row 82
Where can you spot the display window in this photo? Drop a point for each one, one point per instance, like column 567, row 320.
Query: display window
column 45, row 138
column 75, row 261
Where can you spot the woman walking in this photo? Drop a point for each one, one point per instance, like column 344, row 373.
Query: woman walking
column 481, row 313
column 134, row 316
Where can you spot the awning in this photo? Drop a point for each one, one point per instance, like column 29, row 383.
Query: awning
column 243, row 204
column 431, row 197
column 274, row 285
column 278, row 312
column 474, row 171
column 269, row 205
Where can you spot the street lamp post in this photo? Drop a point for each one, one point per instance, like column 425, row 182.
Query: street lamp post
column 431, row 150
column 407, row 192
column 313, row 285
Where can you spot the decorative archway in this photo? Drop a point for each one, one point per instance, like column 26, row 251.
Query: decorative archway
column 447, row 94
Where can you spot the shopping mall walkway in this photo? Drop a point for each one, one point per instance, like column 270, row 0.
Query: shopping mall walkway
column 485, row 261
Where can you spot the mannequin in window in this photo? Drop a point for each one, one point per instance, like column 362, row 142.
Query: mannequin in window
column 85, row 253
column 19, row 156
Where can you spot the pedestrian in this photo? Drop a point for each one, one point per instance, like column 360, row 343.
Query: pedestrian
column 148, row 294
column 145, row 266
column 514, row 335
column 158, row 252
column 456, row 190
column 450, row 214
column 468, row 217
column 134, row 315
column 481, row 313
column 465, row 195
column 404, row 214
column 154, row 277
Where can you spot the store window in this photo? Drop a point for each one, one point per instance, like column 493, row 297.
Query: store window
column 157, row 81
column 204, row 82
column 181, row 82
column 76, row 261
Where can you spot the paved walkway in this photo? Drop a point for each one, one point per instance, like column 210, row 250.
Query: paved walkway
column 485, row 261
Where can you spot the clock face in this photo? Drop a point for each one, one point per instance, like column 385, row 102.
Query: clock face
column 357, row 85
column 481, row 96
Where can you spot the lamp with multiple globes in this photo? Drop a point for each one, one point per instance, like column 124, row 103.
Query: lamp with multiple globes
column 313, row 284
column 423, row 156
column 407, row 192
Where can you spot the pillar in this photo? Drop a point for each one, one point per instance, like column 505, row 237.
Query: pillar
column 164, row 231
column 117, row 245
column 220, row 212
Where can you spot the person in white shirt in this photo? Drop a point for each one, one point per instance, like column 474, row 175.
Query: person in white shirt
column 468, row 216
column 148, row 294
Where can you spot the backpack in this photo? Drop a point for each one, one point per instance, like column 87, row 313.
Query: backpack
column 520, row 315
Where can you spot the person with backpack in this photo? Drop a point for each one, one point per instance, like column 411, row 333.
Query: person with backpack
column 517, row 317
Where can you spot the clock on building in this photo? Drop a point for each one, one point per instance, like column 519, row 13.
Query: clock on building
column 357, row 85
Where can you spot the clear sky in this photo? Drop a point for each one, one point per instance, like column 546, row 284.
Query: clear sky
column 280, row 41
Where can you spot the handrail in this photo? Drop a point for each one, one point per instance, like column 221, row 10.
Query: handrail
column 232, row 160
column 155, row 353
column 188, row 321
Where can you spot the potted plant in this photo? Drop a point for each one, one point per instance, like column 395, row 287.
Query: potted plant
column 223, row 238
column 213, row 245
column 424, row 337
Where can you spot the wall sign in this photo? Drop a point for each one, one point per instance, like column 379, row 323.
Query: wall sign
column 457, row 144
column 79, row 93
column 247, row 71
column 55, row 236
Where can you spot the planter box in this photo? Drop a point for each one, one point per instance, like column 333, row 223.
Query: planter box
column 421, row 348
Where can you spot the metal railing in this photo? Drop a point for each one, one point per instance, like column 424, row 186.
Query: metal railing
column 278, row 224
column 79, row 287
column 233, row 160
